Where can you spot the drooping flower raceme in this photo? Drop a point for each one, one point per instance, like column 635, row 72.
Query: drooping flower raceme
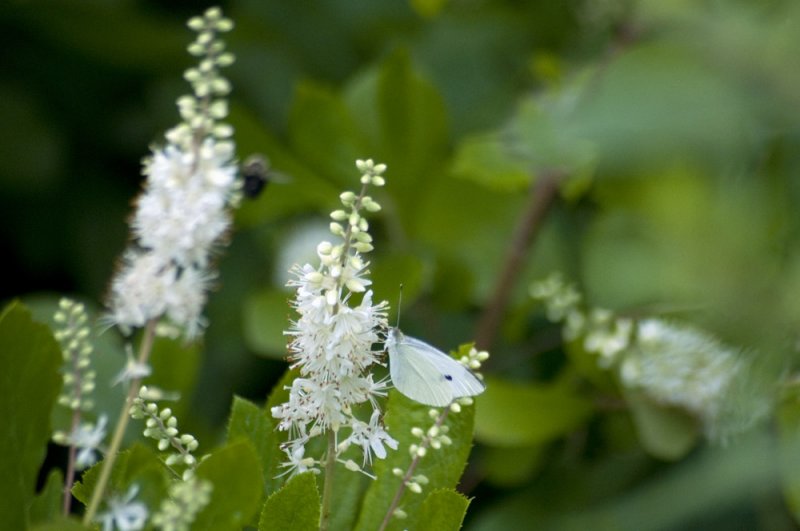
column 331, row 341
column 672, row 364
column 184, row 209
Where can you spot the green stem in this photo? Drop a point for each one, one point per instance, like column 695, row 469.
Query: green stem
column 409, row 473
column 116, row 441
column 327, row 489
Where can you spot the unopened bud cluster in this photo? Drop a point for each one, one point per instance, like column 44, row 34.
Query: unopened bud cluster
column 473, row 360
column 73, row 335
column 203, row 110
column 348, row 222
column 186, row 499
column 162, row 425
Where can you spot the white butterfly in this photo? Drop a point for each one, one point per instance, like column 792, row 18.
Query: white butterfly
column 426, row 374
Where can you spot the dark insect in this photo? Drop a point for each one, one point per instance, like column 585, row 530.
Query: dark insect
column 256, row 174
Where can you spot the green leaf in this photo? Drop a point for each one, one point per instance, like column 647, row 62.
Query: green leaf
column 404, row 116
column 107, row 362
column 263, row 329
column 47, row 503
column 487, row 160
column 511, row 466
column 175, row 366
column 789, row 445
column 665, row 432
column 316, row 117
column 139, row 465
column 302, row 190
column 29, row 363
column 442, row 467
column 390, row 270
column 235, row 472
column 296, row 506
column 249, row 421
column 348, row 491
column 662, row 103
column 443, row 510
column 517, row 414
column 452, row 207
column 543, row 133
column 428, row 8
column 412, row 119
column 60, row 523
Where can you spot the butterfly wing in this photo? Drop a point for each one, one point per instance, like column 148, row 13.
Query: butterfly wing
column 426, row 374
column 461, row 380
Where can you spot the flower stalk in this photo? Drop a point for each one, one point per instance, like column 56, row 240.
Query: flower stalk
column 331, row 346
column 419, row 453
column 122, row 422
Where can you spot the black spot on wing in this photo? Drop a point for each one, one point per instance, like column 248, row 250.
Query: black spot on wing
column 448, row 377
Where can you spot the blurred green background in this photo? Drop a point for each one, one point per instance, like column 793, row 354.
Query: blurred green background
column 674, row 127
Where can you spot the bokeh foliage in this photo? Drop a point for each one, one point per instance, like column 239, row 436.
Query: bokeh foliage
column 674, row 126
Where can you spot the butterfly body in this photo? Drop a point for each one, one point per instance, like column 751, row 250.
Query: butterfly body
column 427, row 375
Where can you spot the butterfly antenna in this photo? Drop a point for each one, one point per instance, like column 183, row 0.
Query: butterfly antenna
column 399, row 303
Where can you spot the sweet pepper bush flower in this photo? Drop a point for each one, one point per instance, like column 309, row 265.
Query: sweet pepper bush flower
column 184, row 209
column 124, row 513
column 672, row 364
column 685, row 367
column 331, row 340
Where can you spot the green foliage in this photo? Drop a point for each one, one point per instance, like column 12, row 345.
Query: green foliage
column 249, row 421
column 262, row 331
column 47, row 503
column 674, row 125
column 664, row 432
column 511, row 466
column 60, row 524
column 443, row 509
column 442, row 467
column 789, row 423
column 295, row 506
column 235, row 472
column 549, row 411
column 139, row 465
column 485, row 159
column 175, row 365
column 29, row 379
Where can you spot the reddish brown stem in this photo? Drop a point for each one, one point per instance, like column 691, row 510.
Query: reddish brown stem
column 541, row 198
column 70, row 477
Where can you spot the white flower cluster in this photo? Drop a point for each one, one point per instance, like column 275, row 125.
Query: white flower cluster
column 87, row 438
column 332, row 341
column 675, row 365
column 183, row 211
column 124, row 513
column 686, row 367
